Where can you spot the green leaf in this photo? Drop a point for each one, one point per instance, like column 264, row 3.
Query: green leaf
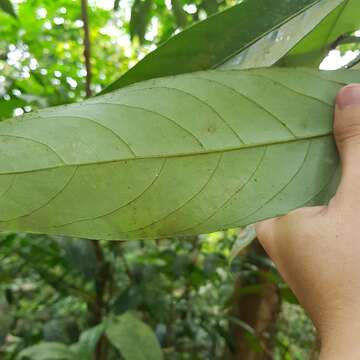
column 133, row 338
column 270, row 48
column 180, row 14
column 140, row 18
column 86, row 345
column 7, row 318
column 173, row 156
column 252, row 23
column 311, row 50
column 116, row 4
column 7, row 107
column 245, row 238
column 7, row 7
column 47, row 351
column 80, row 255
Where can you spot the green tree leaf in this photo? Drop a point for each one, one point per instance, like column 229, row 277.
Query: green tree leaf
column 86, row 345
column 6, row 317
column 311, row 50
column 80, row 255
column 204, row 46
column 7, row 7
column 140, row 18
column 245, row 238
column 182, row 155
column 47, row 351
column 180, row 14
column 133, row 338
column 7, row 107
column 274, row 46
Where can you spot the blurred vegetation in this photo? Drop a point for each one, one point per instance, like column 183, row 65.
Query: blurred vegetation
column 53, row 289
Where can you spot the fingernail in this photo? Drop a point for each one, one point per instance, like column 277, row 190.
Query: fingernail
column 348, row 96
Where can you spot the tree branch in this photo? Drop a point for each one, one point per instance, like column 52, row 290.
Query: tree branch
column 344, row 40
column 353, row 63
column 102, row 281
column 87, row 46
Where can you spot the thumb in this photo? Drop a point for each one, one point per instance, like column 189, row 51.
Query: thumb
column 347, row 137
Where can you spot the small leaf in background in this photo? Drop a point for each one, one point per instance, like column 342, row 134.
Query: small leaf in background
column 80, row 255
column 129, row 299
column 179, row 13
column 287, row 294
column 116, row 4
column 140, row 19
column 210, row 6
column 133, row 338
column 250, row 334
column 245, row 238
column 86, row 345
column 7, row 7
column 60, row 330
column 204, row 46
column 47, row 351
column 7, row 318
column 7, row 107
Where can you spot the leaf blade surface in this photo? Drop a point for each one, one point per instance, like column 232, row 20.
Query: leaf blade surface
column 173, row 156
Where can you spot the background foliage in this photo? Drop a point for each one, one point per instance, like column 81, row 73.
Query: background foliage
column 74, row 294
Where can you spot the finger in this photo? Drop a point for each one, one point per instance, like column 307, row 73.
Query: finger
column 347, row 137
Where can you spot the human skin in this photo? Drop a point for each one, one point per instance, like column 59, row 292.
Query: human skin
column 317, row 249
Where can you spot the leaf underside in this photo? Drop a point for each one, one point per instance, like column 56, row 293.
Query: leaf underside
column 173, row 156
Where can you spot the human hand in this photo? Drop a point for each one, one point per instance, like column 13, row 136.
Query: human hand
column 317, row 249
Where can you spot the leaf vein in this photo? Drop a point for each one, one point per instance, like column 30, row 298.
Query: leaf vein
column 202, row 102
column 9, row 187
column 67, row 182
column 151, row 184
column 322, row 189
column 174, row 156
column 188, row 200
column 291, row 89
column 158, row 114
column 255, row 103
column 312, row 73
column 232, row 195
column 36, row 142
column 98, row 124
column 278, row 192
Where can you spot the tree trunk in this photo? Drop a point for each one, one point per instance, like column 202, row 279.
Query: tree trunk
column 259, row 309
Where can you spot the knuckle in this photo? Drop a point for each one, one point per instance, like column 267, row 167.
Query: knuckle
column 347, row 126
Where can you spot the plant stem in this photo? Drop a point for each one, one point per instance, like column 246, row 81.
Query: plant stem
column 102, row 280
column 87, row 46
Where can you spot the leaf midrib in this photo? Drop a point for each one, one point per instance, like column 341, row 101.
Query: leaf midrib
column 172, row 156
